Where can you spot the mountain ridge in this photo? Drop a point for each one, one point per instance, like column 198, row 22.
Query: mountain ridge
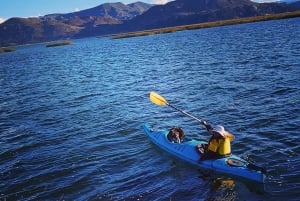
column 117, row 10
column 112, row 18
column 199, row 11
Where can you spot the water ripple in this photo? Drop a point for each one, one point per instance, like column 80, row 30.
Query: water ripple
column 70, row 117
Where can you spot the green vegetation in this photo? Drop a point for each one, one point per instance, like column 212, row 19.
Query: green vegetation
column 62, row 43
column 7, row 49
column 208, row 24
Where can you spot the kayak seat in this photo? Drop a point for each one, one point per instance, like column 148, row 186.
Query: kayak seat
column 202, row 149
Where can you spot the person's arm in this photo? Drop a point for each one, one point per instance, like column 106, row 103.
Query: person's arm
column 208, row 127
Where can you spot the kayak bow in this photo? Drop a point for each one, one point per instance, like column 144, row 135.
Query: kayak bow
column 186, row 151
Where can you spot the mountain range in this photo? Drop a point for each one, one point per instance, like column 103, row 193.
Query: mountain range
column 112, row 18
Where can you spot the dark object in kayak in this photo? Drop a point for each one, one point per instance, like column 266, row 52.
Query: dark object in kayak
column 187, row 151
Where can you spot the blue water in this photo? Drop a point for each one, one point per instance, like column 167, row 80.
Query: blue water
column 71, row 116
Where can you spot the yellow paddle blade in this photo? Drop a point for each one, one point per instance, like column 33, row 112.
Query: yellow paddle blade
column 157, row 99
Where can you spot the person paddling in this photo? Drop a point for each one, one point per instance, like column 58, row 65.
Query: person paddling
column 218, row 145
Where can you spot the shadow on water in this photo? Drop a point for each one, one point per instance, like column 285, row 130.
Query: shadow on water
column 221, row 182
column 193, row 185
column 223, row 188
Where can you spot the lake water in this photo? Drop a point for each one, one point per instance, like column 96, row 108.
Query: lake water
column 71, row 116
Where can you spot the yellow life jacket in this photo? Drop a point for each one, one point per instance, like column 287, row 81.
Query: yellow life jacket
column 220, row 146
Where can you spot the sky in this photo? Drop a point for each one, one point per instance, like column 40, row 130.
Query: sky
column 35, row 8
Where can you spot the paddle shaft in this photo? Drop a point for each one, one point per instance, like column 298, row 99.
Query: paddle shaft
column 185, row 113
column 159, row 100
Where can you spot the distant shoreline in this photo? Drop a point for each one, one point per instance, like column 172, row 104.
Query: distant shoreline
column 7, row 49
column 59, row 43
column 207, row 25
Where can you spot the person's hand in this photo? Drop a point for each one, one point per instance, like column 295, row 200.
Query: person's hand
column 203, row 122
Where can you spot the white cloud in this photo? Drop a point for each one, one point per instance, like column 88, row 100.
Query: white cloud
column 2, row 20
column 77, row 9
column 160, row 1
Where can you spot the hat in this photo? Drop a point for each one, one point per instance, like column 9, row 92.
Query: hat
column 221, row 130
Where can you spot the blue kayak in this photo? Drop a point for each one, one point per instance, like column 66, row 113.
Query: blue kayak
column 187, row 151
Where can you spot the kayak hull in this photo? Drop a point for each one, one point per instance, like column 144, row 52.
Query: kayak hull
column 187, row 151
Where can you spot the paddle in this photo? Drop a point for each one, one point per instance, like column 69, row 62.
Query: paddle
column 159, row 100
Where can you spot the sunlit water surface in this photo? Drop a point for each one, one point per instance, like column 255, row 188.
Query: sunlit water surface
column 71, row 116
